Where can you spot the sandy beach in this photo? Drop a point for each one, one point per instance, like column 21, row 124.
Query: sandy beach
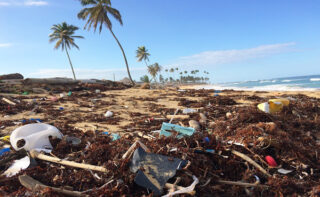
column 231, row 116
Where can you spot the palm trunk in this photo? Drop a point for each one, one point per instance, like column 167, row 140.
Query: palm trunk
column 124, row 56
column 146, row 63
column 74, row 76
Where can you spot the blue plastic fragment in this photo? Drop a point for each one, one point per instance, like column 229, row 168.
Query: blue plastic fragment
column 35, row 119
column 114, row 136
column 217, row 91
column 206, row 139
column 61, row 108
column 2, row 151
column 206, row 151
column 216, row 94
column 184, row 131
column 210, row 151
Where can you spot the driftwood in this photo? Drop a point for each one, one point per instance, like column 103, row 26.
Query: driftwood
column 132, row 148
column 50, row 81
column 248, row 159
column 178, row 116
column 41, row 156
column 34, row 185
column 173, row 186
column 8, row 101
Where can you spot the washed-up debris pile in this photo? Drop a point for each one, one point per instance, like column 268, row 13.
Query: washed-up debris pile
column 232, row 150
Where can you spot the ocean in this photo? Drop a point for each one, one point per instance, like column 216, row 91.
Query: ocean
column 300, row 83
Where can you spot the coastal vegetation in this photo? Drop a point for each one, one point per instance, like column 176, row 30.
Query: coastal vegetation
column 97, row 13
column 63, row 35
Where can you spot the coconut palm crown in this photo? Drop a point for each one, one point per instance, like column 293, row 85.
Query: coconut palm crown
column 97, row 13
column 64, row 36
column 154, row 70
column 142, row 54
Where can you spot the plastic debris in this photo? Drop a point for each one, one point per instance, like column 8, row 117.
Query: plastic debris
column 3, row 151
column 17, row 166
column 284, row 171
column 97, row 91
column 158, row 169
column 271, row 161
column 108, row 114
column 25, row 93
column 189, row 111
column 53, row 98
column 34, row 136
column 273, row 105
column 5, row 138
column 115, row 136
column 194, row 124
column 61, row 108
column 35, row 119
column 184, row 131
column 73, row 140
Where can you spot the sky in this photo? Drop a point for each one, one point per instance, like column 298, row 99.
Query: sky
column 234, row 40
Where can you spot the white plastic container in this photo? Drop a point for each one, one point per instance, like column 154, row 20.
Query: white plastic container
column 189, row 111
column 108, row 114
column 36, row 136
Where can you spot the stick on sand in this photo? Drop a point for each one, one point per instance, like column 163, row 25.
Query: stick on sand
column 44, row 157
column 248, row 159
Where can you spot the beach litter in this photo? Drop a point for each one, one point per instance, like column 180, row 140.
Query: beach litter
column 273, row 105
column 108, row 114
column 34, row 136
column 3, row 151
column 153, row 170
column 17, row 166
column 225, row 157
column 166, row 129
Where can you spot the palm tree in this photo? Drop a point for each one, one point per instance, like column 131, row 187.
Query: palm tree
column 98, row 14
column 64, row 35
column 161, row 79
column 154, row 70
column 172, row 71
column 145, row 79
column 142, row 54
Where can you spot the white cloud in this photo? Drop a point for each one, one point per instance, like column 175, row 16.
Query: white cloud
column 211, row 58
column 4, row 3
column 35, row 3
column 23, row 3
column 2, row 45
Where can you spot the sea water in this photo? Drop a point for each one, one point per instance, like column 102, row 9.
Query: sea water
column 300, row 83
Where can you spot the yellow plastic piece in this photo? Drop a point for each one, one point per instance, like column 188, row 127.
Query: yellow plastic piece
column 273, row 105
column 5, row 138
column 285, row 102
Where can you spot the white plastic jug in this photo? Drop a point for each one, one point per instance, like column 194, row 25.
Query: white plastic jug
column 36, row 136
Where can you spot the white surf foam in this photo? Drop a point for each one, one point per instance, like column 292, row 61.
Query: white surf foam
column 315, row 79
column 259, row 88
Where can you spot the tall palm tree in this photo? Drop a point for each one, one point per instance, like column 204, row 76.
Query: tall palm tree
column 142, row 54
column 64, row 35
column 98, row 15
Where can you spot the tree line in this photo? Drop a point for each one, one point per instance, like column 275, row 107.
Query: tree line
column 96, row 14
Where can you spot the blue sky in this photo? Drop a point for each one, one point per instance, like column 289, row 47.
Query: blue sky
column 234, row 40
